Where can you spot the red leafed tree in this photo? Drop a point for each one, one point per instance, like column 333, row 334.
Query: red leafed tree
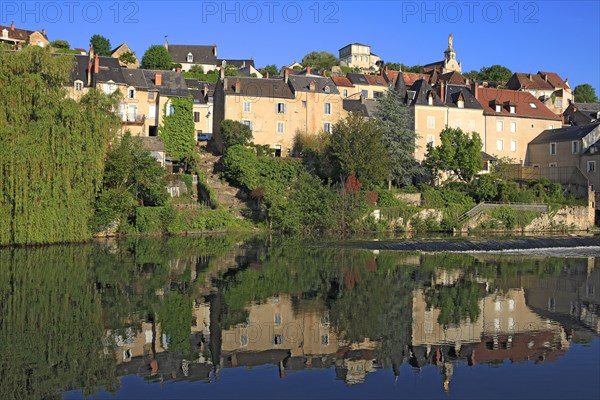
column 352, row 184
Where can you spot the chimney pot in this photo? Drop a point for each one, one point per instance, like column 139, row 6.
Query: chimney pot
column 238, row 86
column 307, row 70
column 12, row 26
column 158, row 78
column 267, row 75
column 442, row 91
column 285, row 75
column 96, row 64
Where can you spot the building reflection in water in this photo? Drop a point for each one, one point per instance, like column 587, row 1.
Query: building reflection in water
column 533, row 321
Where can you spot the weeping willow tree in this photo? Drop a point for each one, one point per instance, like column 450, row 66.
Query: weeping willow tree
column 52, row 149
column 51, row 324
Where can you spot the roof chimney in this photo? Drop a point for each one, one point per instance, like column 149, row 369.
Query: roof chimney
column 474, row 87
column 286, row 75
column 238, row 86
column 12, row 26
column 442, row 91
column 267, row 74
column 158, row 78
column 89, row 71
column 215, row 49
column 222, row 72
column 324, row 73
column 567, row 82
column 205, row 90
column 307, row 70
column 96, row 64
column 166, row 43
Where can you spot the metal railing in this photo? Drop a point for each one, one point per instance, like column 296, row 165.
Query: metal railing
column 487, row 205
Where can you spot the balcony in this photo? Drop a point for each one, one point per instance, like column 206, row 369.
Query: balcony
column 129, row 119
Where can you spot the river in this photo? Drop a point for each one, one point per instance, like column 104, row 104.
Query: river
column 269, row 318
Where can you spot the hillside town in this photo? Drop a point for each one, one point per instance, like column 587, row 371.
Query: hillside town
column 529, row 122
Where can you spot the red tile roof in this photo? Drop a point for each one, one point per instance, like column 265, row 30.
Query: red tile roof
column 341, row 81
column 454, row 78
column 391, row 76
column 554, row 79
column 522, row 101
column 531, row 81
column 376, row 80
column 412, row 77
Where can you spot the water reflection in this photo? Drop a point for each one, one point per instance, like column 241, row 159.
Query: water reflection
column 185, row 309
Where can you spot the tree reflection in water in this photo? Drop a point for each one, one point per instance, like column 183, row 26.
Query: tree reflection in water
column 79, row 317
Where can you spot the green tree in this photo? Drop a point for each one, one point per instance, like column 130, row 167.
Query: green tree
column 585, row 93
column 53, row 149
column 128, row 57
column 356, row 149
column 472, row 75
column 196, row 69
column 319, row 61
column 398, row 136
column 459, row 152
column 131, row 178
column 234, row 132
column 60, row 44
column 178, row 131
column 271, row 69
column 495, row 73
column 157, row 57
column 101, row 45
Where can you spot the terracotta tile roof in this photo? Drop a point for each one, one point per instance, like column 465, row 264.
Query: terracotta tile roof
column 531, row 81
column 554, row 79
column 16, row 33
column 391, row 76
column 454, row 78
column 376, row 80
column 523, row 102
column 412, row 77
column 341, row 81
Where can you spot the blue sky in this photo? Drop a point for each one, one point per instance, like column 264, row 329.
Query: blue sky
column 525, row 36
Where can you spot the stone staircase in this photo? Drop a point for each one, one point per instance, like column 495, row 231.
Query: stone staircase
column 228, row 196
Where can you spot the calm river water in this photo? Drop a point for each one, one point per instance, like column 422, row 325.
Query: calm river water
column 270, row 318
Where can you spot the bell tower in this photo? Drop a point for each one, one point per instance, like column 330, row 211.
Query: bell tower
column 450, row 63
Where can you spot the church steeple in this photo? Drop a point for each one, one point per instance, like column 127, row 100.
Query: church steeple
column 450, row 63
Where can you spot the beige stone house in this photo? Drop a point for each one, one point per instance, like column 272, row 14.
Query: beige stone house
column 345, row 86
column 359, row 55
column 18, row 37
column 572, row 146
column 202, row 93
column 277, row 108
column 123, row 48
column 512, row 120
column 548, row 87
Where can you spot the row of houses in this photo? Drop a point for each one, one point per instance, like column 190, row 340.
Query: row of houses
column 513, row 122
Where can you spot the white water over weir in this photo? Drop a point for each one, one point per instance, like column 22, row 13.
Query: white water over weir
column 556, row 245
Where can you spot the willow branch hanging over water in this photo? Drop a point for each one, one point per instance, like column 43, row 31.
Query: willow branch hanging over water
column 52, row 148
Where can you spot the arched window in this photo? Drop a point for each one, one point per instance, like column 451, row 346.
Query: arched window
column 190, row 58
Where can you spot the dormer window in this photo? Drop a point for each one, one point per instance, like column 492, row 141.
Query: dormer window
column 78, row 86
column 461, row 101
column 190, row 58
column 498, row 108
column 5, row 33
column 430, row 99
column 512, row 109
column 327, row 90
